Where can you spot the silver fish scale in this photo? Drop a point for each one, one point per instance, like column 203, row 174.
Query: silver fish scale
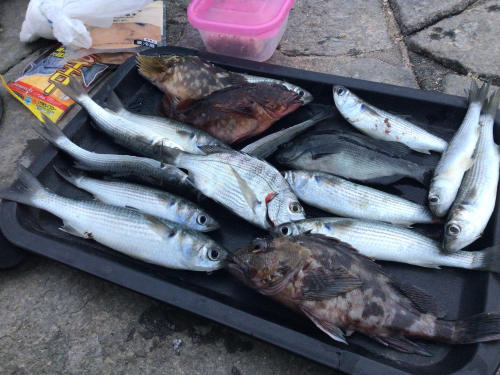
column 387, row 242
column 152, row 201
column 400, row 130
column 213, row 176
column 127, row 231
column 345, row 198
column 176, row 134
column 354, row 162
column 125, row 164
column 483, row 178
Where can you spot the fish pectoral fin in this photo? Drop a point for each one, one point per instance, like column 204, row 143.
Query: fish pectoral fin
column 421, row 150
column 157, row 226
column 419, row 298
column 331, row 330
column 470, row 197
column 324, row 150
column 468, row 164
column 321, row 283
column 402, row 344
column 247, row 192
column 237, row 79
column 68, row 228
column 132, row 208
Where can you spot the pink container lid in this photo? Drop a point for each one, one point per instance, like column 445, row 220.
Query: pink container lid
column 239, row 17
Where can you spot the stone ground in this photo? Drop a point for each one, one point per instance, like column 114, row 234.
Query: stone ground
column 55, row 319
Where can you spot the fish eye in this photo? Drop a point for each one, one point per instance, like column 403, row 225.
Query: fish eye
column 295, row 208
column 453, row 230
column 281, row 87
column 285, row 231
column 434, row 199
column 213, row 254
column 341, row 90
column 258, row 246
column 202, row 219
column 301, row 93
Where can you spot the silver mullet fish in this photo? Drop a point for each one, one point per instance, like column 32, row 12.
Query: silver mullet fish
column 381, row 241
column 344, row 198
column 137, row 235
column 383, row 125
column 476, row 197
column 458, row 155
column 151, row 201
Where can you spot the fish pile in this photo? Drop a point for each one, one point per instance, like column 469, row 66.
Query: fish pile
column 321, row 267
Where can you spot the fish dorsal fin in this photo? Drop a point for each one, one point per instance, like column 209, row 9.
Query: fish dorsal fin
column 323, row 283
column 246, row 191
column 419, row 298
column 331, row 330
column 157, row 226
column 237, row 79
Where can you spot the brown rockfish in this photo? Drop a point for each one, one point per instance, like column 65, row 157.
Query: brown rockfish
column 185, row 77
column 343, row 292
column 235, row 113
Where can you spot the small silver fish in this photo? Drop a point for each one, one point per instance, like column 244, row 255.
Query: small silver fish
column 352, row 156
column 151, row 201
column 381, row 241
column 265, row 146
column 457, row 158
column 380, row 124
column 476, row 197
column 146, row 169
column 137, row 235
column 344, row 198
column 249, row 187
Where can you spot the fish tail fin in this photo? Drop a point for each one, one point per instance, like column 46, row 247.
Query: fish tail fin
column 424, row 175
column 487, row 259
column 72, row 175
column 478, row 328
column 114, row 103
column 151, row 66
column 490, row 105
column 49, row 130
column 32, row 188
column 73, row 89
column 171, row 155
column 476, row 94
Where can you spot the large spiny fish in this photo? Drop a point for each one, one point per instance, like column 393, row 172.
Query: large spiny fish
column 235, row 113
column 191, row 77
column 343, row 292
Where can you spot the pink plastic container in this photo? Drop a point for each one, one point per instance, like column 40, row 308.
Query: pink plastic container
column 250, row 29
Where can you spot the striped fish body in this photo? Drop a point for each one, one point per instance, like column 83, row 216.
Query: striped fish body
column 249, row 187
column 457, row 158
column 383, row 125
column 127, row 231
column 476, row 197
column 349, row 155
column 381, row 241
column 344, row 198
column 151, row 201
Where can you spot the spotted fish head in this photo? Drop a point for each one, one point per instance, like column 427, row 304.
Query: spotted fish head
column 276, row 99
column 266, row 265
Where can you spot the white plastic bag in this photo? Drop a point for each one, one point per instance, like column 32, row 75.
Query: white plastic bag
column 65, row 20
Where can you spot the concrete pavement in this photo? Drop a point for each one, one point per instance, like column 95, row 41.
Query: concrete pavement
column 55, row 319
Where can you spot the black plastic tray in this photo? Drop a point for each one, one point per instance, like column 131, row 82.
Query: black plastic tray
column 223, row 299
